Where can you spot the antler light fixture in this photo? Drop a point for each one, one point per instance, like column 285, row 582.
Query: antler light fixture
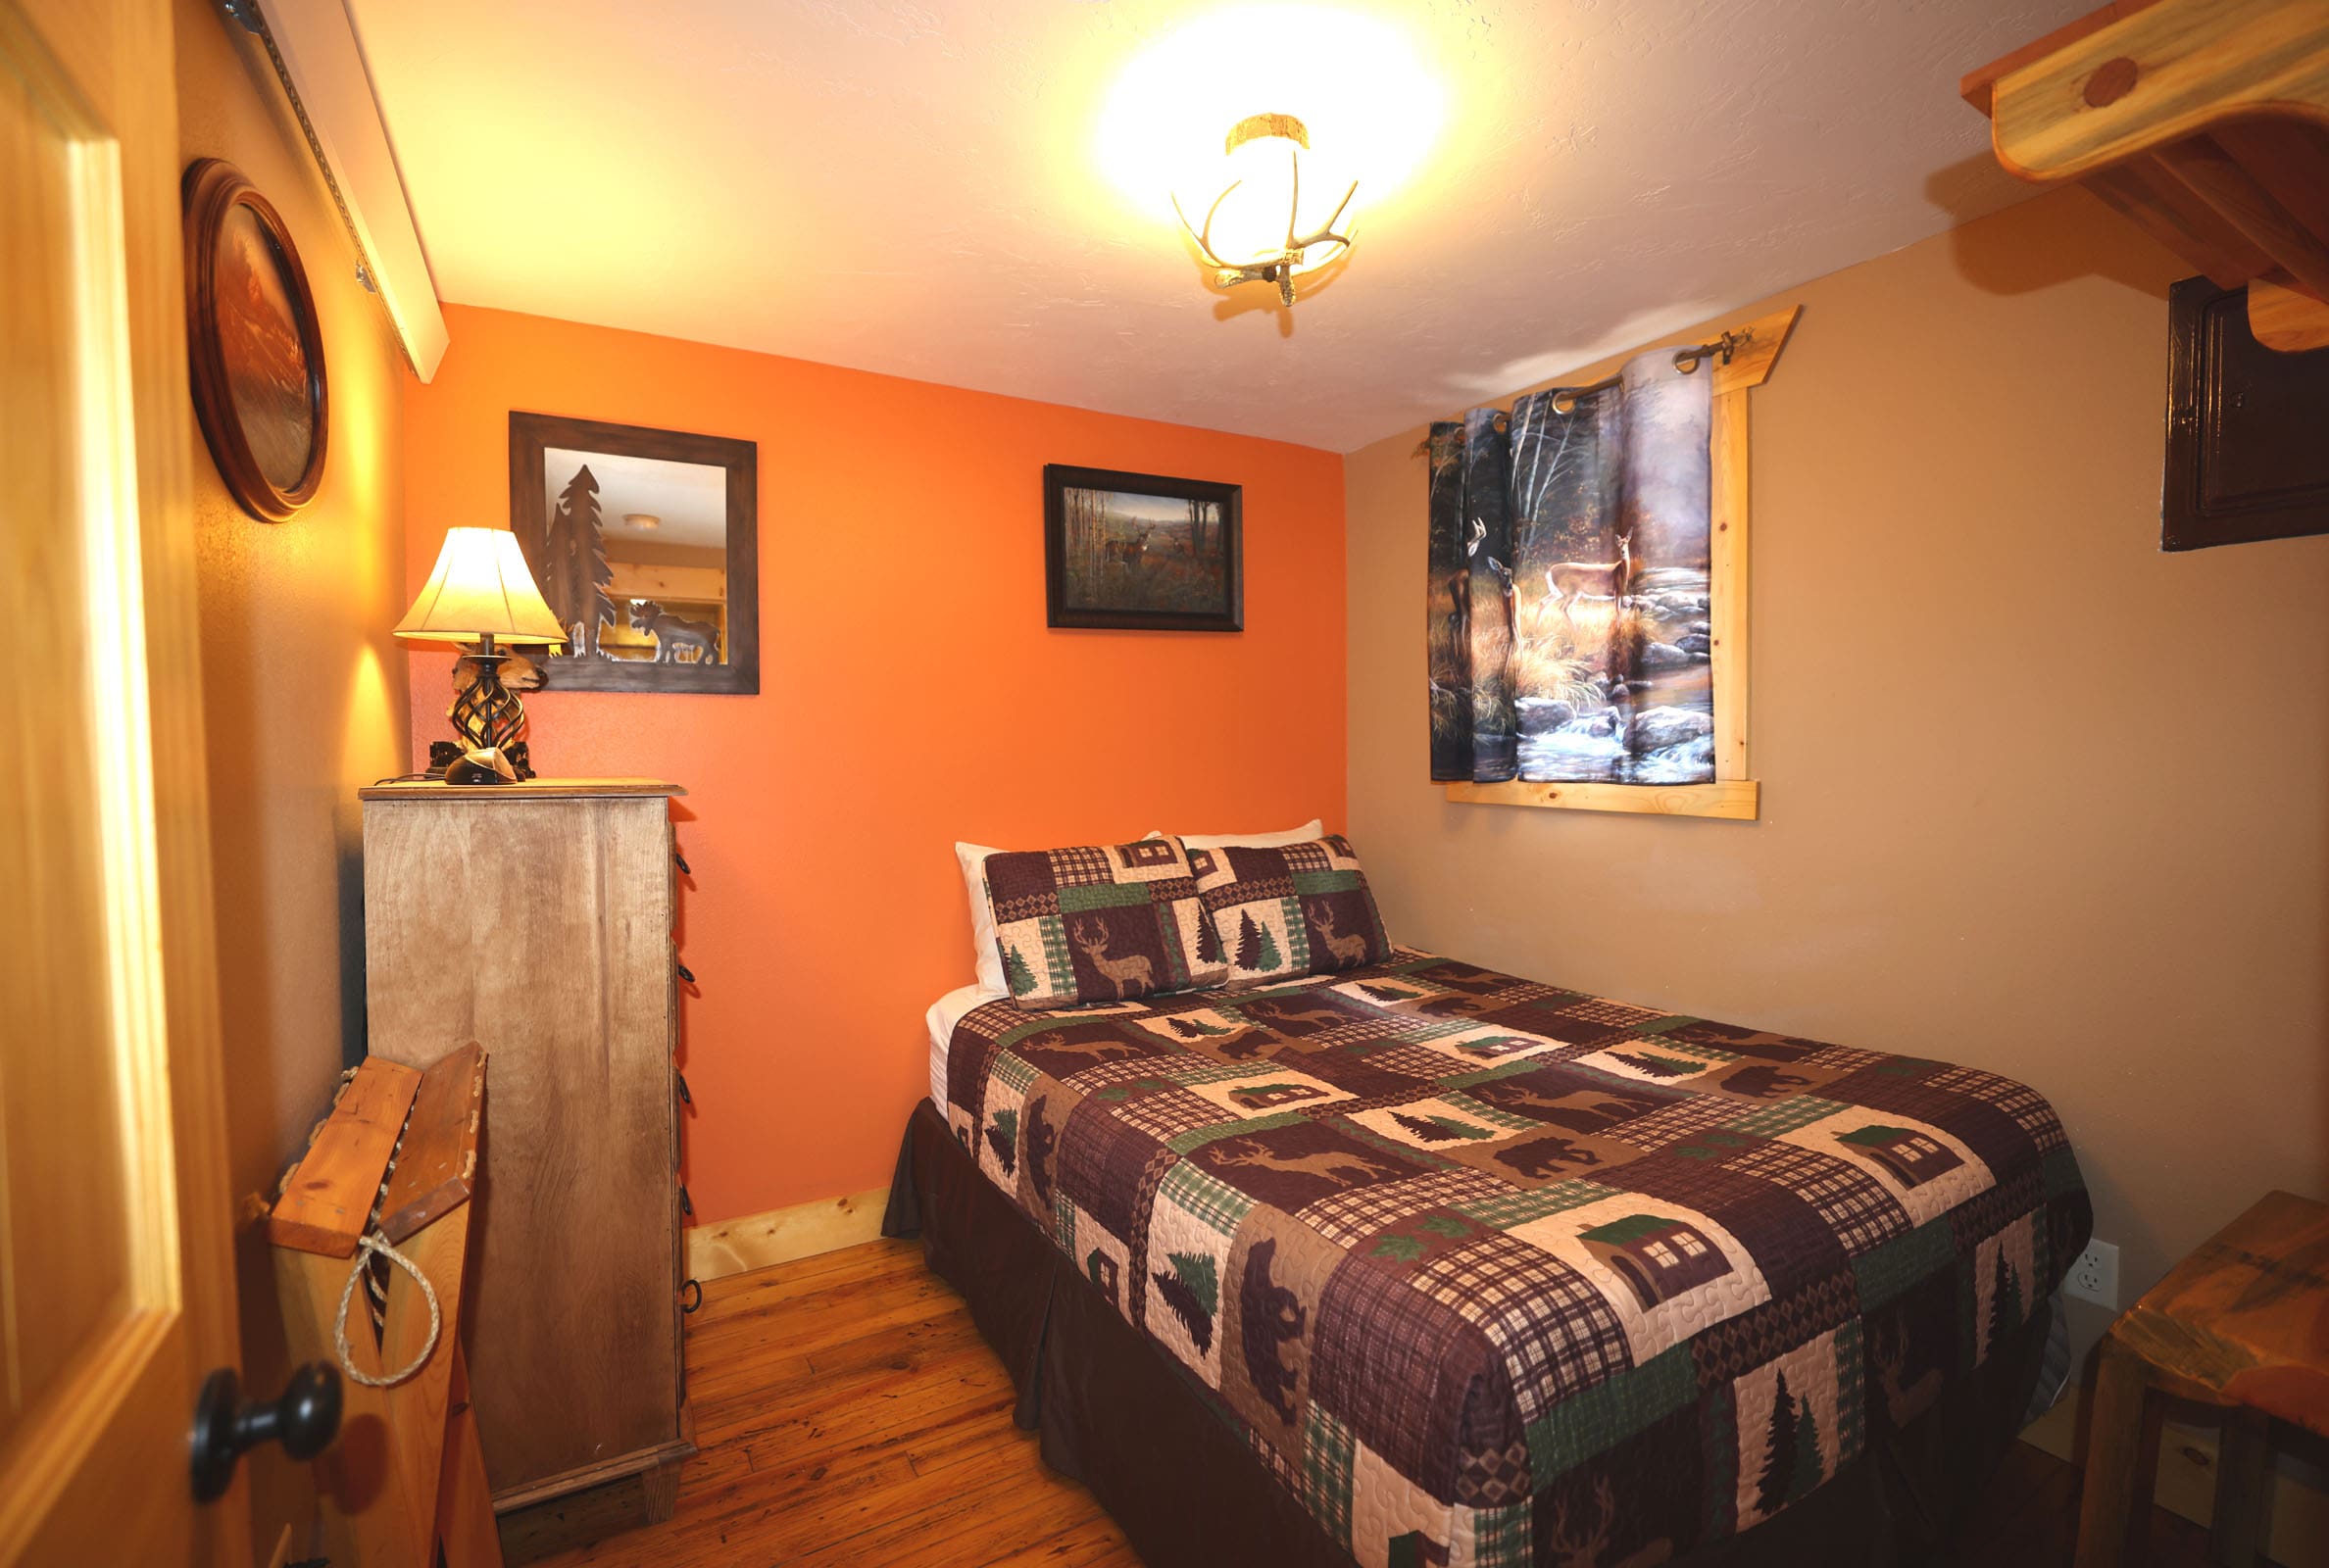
column 1259, row 229
column 1264, row 121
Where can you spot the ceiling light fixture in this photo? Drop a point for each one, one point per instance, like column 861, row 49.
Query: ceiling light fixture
column 1320, row 105
column 643, row 520
column 1257, row 230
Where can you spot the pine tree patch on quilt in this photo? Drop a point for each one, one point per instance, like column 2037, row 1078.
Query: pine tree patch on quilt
column 1490, row 1273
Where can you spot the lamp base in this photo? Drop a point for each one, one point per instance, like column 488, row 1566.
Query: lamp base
column 444, row 756
column 483, row 768
column 484, row 712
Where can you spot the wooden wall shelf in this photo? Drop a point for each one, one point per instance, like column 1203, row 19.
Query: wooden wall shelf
column 2204, row 121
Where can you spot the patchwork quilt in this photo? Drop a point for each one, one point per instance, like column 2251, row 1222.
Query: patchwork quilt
column 1492, row 1273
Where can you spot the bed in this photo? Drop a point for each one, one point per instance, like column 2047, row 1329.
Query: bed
column 1420, row 1263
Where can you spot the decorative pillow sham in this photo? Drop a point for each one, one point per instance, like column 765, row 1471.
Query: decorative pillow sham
column 1099, row 923
column 1282, row 914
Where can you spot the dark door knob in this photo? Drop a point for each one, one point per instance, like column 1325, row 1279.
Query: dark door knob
column 304, row 1420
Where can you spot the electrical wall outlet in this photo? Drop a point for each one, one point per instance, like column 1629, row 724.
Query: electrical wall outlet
column 2094, row 1276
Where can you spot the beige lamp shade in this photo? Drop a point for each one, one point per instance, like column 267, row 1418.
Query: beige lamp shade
column 480, row 585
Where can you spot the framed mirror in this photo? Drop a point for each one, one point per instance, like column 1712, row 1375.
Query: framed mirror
column 254, row 346
column 646, row 544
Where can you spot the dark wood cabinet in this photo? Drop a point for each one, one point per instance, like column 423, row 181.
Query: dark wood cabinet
column 537, row 919
column 2248, row 427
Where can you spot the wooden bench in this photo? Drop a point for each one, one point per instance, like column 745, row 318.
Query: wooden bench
column 407, row 1477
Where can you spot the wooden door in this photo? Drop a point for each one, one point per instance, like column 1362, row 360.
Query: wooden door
column 116, row 1291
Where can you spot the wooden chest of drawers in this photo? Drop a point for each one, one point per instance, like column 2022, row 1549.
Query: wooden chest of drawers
column 537, row 919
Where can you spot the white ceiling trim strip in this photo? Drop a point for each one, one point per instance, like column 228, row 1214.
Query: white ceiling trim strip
column 321, row 57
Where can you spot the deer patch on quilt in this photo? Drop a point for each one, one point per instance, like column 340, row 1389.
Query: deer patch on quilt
column 1492, row 1273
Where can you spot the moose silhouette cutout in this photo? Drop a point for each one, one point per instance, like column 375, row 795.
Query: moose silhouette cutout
column 674, row 632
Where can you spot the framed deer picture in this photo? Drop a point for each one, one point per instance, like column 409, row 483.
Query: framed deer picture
column 646, row 546
column 1142, row 552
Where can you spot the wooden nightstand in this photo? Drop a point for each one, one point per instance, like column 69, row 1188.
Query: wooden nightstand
column 2242, row 1323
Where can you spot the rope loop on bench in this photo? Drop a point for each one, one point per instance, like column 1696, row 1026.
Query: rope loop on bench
column 373, row 1243
column 365, row 1248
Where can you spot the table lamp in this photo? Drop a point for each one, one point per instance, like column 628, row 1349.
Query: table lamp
column 482, row 590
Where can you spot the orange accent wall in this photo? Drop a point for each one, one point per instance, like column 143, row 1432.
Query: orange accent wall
column 909, row 696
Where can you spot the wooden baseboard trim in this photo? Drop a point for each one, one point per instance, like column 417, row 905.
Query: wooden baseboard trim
column 780, row 1235
column 590, row 1476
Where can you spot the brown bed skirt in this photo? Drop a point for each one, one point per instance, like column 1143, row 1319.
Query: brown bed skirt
column 1115, row 1412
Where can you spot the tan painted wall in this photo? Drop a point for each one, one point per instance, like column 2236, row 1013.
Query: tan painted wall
column 304, row 694
column 2036, row 797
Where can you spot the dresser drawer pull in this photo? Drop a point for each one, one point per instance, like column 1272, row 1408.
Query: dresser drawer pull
column 680, row 860
column 685, row 973
column 686, row 1306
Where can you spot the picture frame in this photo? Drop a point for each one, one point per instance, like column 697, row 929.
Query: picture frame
column 254, row 346
column 1142, row 552
column 645, row 543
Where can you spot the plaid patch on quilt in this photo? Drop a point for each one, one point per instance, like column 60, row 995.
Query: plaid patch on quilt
column 1099, row 922
column 1282, row 914
column 1490, row 1273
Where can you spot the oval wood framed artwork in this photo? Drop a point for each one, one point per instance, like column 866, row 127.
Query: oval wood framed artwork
column 254, row 351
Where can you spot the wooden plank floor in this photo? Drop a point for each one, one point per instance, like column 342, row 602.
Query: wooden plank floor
column 848, row 1414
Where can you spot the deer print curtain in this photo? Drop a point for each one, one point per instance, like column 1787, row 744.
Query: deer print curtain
column 1568, row 595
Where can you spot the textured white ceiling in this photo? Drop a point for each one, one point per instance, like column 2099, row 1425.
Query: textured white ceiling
column 913, row 188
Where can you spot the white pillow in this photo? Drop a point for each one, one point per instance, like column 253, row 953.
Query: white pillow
column 1311, row 829
column 985, row 953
